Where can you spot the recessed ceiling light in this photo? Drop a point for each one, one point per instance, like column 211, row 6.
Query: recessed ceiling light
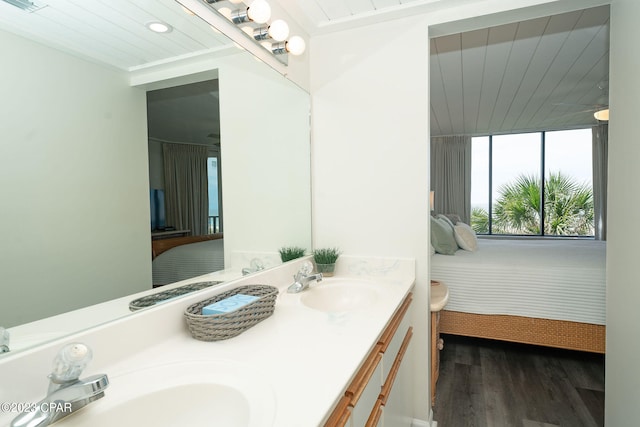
column 159, row 27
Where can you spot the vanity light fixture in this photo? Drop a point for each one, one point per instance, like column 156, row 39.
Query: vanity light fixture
column 258, row 11
column 295, row 46
column 252, row 18
column 159, row 27
column 278, row 30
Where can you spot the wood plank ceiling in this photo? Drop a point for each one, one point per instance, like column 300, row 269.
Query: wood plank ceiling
column 546, row 73
column 113, row 32
column 326, row 12
column 541, row 74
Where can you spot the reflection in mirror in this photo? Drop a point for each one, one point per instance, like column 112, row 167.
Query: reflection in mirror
column 185, row 181
column 166, row 295
column 75, row 173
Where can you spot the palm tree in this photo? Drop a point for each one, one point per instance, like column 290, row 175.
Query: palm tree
column 480, row 220
column 517, row 210
column 568, row 208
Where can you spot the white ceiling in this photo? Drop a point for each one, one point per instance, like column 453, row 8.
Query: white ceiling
column 529, row 75
column 188, row 113
column 545, row 73
column 319, row 16
column 113, row 32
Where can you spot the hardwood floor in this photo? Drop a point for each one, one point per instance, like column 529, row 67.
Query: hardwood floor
column 486, row 383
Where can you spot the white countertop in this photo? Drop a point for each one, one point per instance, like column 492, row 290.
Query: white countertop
column 307, row 357
column 40, row 331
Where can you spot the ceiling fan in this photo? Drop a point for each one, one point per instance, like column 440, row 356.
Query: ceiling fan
column 600, row 109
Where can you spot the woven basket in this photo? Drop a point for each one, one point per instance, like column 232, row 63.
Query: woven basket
column 216, row 327
column 151, row 300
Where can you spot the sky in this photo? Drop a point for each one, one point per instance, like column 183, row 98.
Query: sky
column 566, row 151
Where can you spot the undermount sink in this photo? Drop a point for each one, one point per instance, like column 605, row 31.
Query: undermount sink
column 190, row 393
column 339, row 295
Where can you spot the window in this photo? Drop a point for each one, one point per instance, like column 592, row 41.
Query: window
column 213, row 175
column 508, row 197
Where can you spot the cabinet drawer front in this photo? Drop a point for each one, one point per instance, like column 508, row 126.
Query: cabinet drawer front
column 388, row 384
column 340, row 415
column 389, row 356
column 394, row 324
column 362, row 409
column 365, row 376
column 375, row 419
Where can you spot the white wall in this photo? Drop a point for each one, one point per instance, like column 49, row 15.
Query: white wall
column 74, row 183
column 623, row 284
column 370, row 154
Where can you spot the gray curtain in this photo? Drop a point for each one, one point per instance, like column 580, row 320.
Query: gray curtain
column 186, row 187
column 600, row 136
column 451, row 175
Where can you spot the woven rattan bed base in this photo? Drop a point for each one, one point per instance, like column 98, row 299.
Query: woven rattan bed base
column 545, row 332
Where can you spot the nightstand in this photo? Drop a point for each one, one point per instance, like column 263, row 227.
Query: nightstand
column 439, row 298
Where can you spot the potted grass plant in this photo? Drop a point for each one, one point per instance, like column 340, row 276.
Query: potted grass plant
column 325, row 259
column 287, row 253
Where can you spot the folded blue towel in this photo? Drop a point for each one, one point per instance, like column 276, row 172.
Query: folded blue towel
column 229, row 304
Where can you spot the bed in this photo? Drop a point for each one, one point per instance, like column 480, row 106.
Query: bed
column 185, row 257
column 548, row 292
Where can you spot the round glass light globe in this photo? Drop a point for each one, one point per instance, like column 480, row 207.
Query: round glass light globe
column 296, row 45
column 279, row 30
column 259, row 11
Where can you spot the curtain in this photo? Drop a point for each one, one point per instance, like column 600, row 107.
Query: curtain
column 186, row 187
column 451, row 175
column 600, row 137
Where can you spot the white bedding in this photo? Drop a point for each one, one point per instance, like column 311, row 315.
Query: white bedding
column 550, row 279
column 187, row 261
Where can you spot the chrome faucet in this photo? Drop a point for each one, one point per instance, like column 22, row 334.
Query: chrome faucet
column 302, row 278
column 255, row 265
column 67, row 393
column 4, row 340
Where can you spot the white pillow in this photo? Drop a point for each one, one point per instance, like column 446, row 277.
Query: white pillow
column 465, row 236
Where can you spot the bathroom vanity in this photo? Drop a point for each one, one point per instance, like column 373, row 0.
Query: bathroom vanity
column 336, row 350
column 374, row 397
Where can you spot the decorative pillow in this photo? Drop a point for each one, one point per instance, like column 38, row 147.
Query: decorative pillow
column 454, row 218
column 442, row 237
column 465, row 237
column 447, row 220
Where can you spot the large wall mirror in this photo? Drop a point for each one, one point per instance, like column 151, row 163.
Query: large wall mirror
column 75, row 156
